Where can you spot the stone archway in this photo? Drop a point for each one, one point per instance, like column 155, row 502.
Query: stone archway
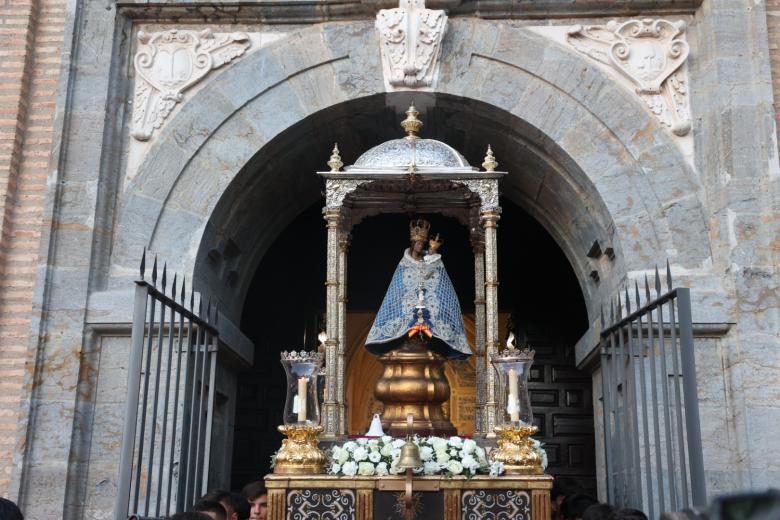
column 599, row 167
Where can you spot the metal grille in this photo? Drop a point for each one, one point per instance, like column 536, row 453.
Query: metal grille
column 166, row 440
column 651, row 411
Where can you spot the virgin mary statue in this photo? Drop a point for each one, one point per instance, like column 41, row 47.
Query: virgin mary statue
column 420, row 301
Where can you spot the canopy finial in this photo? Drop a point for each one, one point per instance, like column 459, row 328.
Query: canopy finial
column 490, row 163
column 335, row 162
column 411, row 124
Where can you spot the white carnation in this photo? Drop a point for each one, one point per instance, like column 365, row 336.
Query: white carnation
column 426, row 452
column 455, row 442
column 469, row 446
column 373, row 444
column 387, row 439
column 470, row 463
column 362, row 441
column 438, row 443
column 366, row 468
column 350, row 445
column 386, row 450
column 442, row 456
column 430, row 467
column 453, row 452
column 349, row 468
column 340, row 455
column 496, row 469
column 360, row 454
column 455, row 467
column 335, row 468
column 381, row 469
column 374, row 456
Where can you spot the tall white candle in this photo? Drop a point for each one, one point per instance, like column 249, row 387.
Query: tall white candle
column 302, row 383
column 513, row 406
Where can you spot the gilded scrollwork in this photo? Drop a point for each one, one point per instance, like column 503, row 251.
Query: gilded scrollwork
column 650, row 53
column 337, row 189
column 167, row 63
column 486, row 189
column 504, row 504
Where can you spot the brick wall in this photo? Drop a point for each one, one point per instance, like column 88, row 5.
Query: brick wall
column 773, row 26
column 31, row 35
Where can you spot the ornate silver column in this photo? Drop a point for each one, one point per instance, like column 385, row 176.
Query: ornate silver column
column 478, row 246
column 344, row 239
column 330, row 408
column 489, row 219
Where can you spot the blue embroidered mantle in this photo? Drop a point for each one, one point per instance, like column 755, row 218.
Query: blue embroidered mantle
column 416, row 283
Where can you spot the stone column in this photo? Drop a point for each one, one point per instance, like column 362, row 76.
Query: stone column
column 489, row 218
column 344, row 239
column 478, row 246
column 330, row 409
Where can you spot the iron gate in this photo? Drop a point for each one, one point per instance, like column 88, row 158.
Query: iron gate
column 651, row 410
column 166, row 441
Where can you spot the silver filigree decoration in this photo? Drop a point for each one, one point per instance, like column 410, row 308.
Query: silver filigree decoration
column 410, row 39
column 486, row 189
column 337, row 189
column 168, row 63
column 650, row 53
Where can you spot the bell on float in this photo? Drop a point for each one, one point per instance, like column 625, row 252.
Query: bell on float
column 410, row 456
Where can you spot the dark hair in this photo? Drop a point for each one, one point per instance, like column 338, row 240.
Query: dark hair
column 575, row 505
column 629, row 514
column 9, row 510
column 564, row 486
column 599, row 512
column 216, row 495
column 240, row 505
column 254, row 489
column 208, row 506
column 190, row 515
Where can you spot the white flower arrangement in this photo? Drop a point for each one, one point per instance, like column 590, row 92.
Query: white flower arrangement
column 440, row 456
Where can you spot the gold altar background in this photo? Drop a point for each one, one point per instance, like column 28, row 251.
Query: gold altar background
column 363, row 371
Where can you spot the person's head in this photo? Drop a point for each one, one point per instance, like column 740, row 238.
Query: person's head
column 629, row 514
column 214, row 510
column 224, row 498
column 574, row 506
column 240, row 506
column 599, row 512
column 9, row 510
column 190, row 515
column 257, row 496
column 562, row 487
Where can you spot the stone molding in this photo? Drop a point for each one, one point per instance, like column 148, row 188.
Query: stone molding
column 168, row 63
column 650, row 53
column 410, row 39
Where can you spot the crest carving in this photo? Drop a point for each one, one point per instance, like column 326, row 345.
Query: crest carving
column 650, row 53
column 410, row 39
column 168, row 63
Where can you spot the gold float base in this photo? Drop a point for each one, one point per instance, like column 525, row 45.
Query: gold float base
column 413, row 382
column 516, row 451
column 300, row 454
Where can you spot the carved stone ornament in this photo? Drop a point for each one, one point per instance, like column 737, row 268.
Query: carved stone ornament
column 337, row 189
column 486, row 189
column 410, row 39
column 168, row 63
column 650, row 53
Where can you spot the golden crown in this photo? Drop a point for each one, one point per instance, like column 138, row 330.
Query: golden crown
column 418, row 229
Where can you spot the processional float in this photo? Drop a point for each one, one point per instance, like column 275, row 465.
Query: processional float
column 417, row 176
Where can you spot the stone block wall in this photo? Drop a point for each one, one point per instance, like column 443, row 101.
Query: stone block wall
column 31, row 36
column 773, row 28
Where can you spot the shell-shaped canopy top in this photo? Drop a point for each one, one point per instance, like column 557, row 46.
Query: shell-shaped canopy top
column 411, row 153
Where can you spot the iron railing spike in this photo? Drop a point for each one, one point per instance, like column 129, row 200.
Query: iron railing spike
column 603, row 322
column 192, row 300
column 668, row 276
column 636, row 292
column 208, row 311
column 183, row 291
column 216, row 313
column 143, row 263
column 200, row 306
column 657, row 283
column 611, row 310
column 154, row 272
column 173, row 287
column 164, row 276
column 647, row 289
column 628, row 301
column 619, row 306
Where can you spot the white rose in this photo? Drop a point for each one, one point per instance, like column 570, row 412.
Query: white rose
column 453, row 452
column 469, row 446
column 397, row 443
column 374, row 456
column 340, row 455
column 386, row 439
column 442, row 456
column 438, row 443
column 362, row 441
column 430, row 467
column 366, row 468
column 426, row 452
column 455, row 467
column 470, row 463
column 386, row 450
column 394, row 469
column 335, row 468
column 349, row 468
column 360, row 454
column 455, row 442
column 350, row 445
column 496, row 469
column 481, row 457
column 395, row 453
column 381, row 469
column 373, row 444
